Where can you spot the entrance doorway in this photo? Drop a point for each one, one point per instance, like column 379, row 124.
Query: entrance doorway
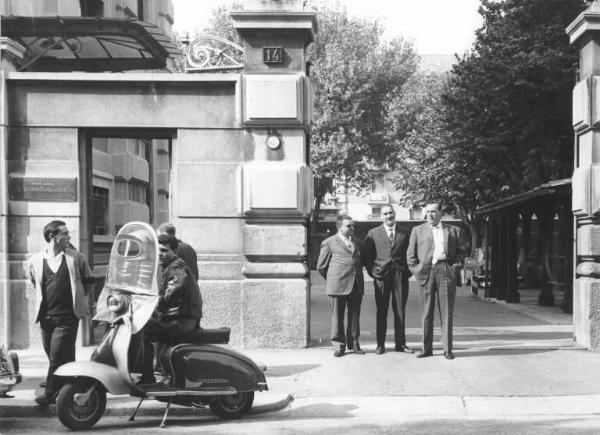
column 125, row 177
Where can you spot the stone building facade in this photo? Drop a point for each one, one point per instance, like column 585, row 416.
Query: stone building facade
column 223, row 156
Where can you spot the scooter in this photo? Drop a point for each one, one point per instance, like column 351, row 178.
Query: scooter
column 197, row 370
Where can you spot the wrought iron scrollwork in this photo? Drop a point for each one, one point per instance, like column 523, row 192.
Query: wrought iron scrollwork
column 209, row 53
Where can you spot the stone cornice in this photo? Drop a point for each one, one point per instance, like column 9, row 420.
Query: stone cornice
column 587, row 21
column 287, row 20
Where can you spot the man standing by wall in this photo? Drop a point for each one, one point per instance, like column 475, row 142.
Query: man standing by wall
column 340, row 263
column 385, row 259
column 435, row 256
column 184, row 251
column 58, row 274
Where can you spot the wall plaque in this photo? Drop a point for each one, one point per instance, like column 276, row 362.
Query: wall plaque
column 42, row 189
column 273, row 55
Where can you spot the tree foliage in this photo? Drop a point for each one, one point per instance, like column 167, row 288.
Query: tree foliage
column 355, row 74
column 501, row 122
column 509, row 100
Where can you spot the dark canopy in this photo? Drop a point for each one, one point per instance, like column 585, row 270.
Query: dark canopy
column 88, row 43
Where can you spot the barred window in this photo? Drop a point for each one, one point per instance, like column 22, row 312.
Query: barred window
column 100, row 208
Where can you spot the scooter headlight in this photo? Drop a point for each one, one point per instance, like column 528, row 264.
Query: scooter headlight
column 118, row 304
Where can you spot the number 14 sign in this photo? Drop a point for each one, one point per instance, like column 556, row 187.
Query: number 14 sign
column 273, row 55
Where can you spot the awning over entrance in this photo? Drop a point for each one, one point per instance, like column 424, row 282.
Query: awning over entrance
column 89, row 44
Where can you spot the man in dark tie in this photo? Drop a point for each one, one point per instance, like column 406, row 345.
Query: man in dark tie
column 385, row 259
column 341, row 264
column 435, row 256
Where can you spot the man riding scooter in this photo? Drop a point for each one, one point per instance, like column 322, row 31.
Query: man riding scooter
column 179, row 307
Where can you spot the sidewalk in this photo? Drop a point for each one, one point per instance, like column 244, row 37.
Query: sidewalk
column 510, row 360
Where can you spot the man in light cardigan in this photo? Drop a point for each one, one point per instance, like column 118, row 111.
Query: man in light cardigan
column 58, row 274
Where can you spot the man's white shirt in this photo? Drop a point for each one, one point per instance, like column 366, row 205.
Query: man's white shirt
column 347, row 241
column 439, row 253
column 53, row 261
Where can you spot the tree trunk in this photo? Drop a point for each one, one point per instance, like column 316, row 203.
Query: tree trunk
column 314, row 220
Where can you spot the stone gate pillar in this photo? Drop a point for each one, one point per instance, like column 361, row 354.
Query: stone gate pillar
column 277, row 183
column 584, row 33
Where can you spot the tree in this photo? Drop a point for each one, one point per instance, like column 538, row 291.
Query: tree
column 354, row 74
column 501, row 125
column 511, row 96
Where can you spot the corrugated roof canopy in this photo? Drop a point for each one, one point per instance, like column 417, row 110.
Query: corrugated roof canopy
column 545, row 189
column 89, row 43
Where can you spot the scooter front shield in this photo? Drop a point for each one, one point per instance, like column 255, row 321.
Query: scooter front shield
column 132, row 268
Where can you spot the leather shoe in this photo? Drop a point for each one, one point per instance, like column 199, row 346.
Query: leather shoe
column 358, row 350
column 404, row 349
column 424, row 354
column 380, row 350
column 42, row 400
column 449, row 355
column 146, row 380
column 339, row 353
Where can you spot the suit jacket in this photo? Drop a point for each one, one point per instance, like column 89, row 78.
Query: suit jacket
column 420, row 250
column 79, row 273
column 341, row 266
column 381, row 256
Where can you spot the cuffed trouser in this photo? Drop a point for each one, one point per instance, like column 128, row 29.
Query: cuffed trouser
column 59, row 334
column 396, row 285
column 341, row 339
column 440, row 286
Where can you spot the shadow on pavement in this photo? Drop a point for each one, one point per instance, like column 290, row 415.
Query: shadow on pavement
column 283, row 370
column 498, row 352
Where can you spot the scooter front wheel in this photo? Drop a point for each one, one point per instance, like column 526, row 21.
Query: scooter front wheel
column 80, row 403
column 233, row 406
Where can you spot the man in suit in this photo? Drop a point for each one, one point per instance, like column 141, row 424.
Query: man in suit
column 340, row 263
column 58, row 274
column 385, row 259
column 184, row 251
column 435, row 256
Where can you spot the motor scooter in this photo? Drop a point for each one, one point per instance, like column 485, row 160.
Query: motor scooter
column 198, row 369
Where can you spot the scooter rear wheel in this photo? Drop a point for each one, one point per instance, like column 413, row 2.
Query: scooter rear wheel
column 232, row 407
column 75, row 413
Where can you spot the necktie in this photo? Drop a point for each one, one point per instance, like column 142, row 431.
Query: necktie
column 391, row 236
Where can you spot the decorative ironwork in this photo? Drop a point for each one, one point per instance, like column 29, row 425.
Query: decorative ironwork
column 209, row 53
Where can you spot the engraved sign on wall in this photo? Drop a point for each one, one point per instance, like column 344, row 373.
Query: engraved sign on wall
column 42, row 189
column 273, row 55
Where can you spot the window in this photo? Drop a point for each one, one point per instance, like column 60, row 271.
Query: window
column 100, row 209
column 140, row 148
column 137, row 192
column 92, row 8
column 376, row 212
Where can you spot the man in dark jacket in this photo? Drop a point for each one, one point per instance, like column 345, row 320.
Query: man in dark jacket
column 179, row 308
column 385, row 257
column 184, row 251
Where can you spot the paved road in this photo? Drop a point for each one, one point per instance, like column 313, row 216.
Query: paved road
column 477, row 322
column 328, row 418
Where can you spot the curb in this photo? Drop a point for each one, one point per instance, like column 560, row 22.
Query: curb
column 118, row 407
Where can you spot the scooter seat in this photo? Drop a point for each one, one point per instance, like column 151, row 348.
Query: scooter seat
column 206, row 336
